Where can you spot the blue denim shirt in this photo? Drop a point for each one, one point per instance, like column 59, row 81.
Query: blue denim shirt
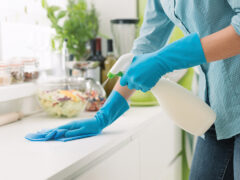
column 219, row 83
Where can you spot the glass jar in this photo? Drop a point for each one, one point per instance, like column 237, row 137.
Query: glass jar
column 5, row 76
column 96, row 95
column 16, row 71
column 30, row 69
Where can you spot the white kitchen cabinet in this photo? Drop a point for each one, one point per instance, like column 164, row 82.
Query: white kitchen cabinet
column 122, row 164
column 157, row 149
column 147, row 156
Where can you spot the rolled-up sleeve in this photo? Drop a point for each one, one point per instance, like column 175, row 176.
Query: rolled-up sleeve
column 235, row 4
column 155, row 29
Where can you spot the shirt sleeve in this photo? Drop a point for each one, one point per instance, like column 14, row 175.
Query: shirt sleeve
column 235, row 22
column 155, row 30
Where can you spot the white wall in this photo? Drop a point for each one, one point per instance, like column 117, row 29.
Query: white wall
column 111, row 9
column 25, row 11
column 25, row 29
column 31, row 12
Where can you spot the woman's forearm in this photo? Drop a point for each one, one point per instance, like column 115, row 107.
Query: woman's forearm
column 123, row 90
column 221, row 45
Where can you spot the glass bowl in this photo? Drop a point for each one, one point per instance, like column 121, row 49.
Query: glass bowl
column 63, row 98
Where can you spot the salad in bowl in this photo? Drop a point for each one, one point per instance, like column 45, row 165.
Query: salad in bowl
column 63, row 98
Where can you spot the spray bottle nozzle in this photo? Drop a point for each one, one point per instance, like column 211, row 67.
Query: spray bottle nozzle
column 111, row 75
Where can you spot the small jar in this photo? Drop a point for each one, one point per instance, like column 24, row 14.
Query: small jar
column 5, row 76
column 16, row 71
column 96, row 95
column 30, row 69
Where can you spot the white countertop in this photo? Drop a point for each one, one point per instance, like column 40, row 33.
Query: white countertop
column 23, row 159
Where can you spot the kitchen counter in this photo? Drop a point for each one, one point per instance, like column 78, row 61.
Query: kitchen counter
column 25, row 160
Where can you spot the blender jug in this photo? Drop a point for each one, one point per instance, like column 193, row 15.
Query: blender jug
column 124, row 33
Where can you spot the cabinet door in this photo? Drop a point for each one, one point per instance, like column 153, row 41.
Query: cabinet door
column 159, row 144
column 121, row 165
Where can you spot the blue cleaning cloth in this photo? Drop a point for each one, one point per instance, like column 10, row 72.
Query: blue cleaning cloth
column 56, row 134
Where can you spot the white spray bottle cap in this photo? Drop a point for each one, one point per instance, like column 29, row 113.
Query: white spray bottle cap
column 121, row 66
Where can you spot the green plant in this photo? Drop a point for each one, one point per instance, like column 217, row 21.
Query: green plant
column 76, row 23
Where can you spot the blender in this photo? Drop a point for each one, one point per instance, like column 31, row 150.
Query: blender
column 124, row 34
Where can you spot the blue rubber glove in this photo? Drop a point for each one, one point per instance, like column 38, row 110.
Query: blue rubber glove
column 114, row 107
column 146, row 69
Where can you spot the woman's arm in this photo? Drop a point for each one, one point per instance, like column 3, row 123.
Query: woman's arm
column 155, row 30
column 154, row 33
column 123, row 90
column 217, row 46
column 221, row 45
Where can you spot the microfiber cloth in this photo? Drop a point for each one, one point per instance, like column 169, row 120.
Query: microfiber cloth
column 54, row 134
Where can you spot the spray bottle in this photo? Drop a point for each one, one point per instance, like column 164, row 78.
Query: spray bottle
column 188, row 111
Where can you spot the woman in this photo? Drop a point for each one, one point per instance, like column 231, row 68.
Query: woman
column 212, row 40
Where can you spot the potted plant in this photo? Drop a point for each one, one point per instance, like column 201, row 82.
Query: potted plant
column 77, row 23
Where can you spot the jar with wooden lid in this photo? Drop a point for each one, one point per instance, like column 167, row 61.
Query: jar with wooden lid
column 5, row 76
column 30, row 69
column 16, row 71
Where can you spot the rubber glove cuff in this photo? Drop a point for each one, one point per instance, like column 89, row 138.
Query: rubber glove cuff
column 114, row 107
column 184, row 53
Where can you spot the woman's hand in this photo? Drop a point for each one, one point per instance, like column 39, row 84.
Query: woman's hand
column 70, row 131
column 81, row 127
column 147, row 69
column 144, row 72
